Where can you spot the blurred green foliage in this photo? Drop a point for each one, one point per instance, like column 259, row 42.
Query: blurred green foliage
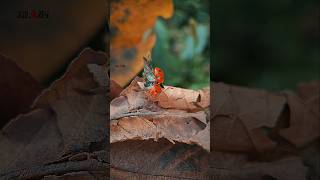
column 182, row 48
column 265, row 44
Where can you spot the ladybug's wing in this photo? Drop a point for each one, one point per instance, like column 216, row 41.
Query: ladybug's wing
column 147, row 67
column 148, row 75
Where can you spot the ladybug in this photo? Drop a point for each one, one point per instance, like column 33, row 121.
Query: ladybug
column 153, row 78
column 155, row 90
column 158, row 73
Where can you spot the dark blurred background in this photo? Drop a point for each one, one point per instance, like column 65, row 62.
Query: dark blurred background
column 182, row 47
column 44, row 36
column 266, row 44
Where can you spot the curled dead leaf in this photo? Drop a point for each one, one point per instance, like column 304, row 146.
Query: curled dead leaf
column 115, row 89
column 18, row 89
column 135, row 116
column 185, row 99
column 310, row 93
column 68, row 118
column 240, row 116
column 304, row 125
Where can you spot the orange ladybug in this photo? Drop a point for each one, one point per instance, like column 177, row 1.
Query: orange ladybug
column 158, row 73
column 153, row 78
column 155, row 90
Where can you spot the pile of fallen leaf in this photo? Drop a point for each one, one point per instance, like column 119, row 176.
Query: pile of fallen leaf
column 163, row 137
column 257, row 134
column 62, row 132
column 177, row 114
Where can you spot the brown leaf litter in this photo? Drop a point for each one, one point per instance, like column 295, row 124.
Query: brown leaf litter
column 67, row 118
column 244, row 119
column 177, row 114
column 17, row 90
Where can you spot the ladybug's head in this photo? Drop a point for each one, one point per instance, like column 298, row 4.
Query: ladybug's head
column 159, row 74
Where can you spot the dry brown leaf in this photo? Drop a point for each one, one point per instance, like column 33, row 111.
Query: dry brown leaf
column 115, row 89
column 225, row 166
column 147, row 159
column 69, row 117
column 239, row 116
column 131, row 36
column 82, row 175
column 288, row 128
column 304, row 125
column 18, row 89
column 135, row 116
column 310, row 92
column 229, row 134
column 184, row 99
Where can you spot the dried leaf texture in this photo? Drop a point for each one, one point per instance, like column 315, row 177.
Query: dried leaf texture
column 131, row 35
column 243, row 119
column 310, row 93
column 66, row 130
column 179, row 115
column 18, row 89
column 167, row 137
column 257, row 134
column 228, row 166
column 304, row 124
column 240, row 116
column 148, row 159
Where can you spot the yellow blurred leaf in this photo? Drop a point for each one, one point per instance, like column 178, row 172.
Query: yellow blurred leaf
column 131, row 35
column 42, row 46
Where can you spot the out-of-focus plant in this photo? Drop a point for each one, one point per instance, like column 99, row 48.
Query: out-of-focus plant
column 265, row 44
column 182, row 47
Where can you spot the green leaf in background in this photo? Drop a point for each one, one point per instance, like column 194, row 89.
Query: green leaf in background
column 182, row 48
